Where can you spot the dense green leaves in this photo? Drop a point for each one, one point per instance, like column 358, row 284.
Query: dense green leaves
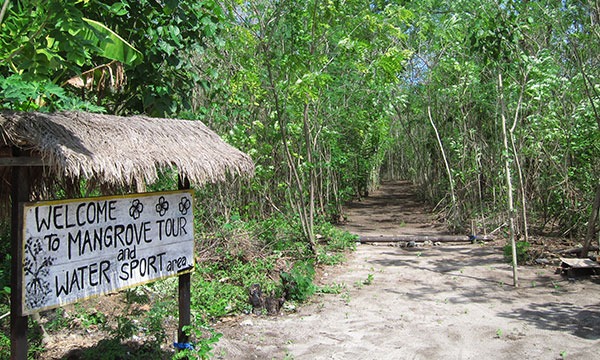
column 330, row 96
column 111, row 45
column 322, row 94
column 538, row 48
column 158, row 43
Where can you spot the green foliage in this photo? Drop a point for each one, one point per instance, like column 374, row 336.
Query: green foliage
column 57, row 320
column 327, row 97
column 4, row 346
column 153, row 321
column 298, row 282
column 330, row 258
column 111, row 45
column 334, row 243
column 35, row 347
column 336, row 239
column 217, row 297
column 203, row 340
column 20, row 94
column 332, row 289
column 171, row 37
column 54, row 41
column 4, row 265
column 220, row 288
column 86, row 318
column 306, row 99
column 41, row 40
column 458, row 57
column 522, row 252
column 50, row 40
column 125, row 328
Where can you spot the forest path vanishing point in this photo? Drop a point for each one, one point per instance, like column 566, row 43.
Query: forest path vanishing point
column 430, row 302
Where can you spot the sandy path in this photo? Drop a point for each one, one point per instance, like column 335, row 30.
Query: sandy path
column 447, row 302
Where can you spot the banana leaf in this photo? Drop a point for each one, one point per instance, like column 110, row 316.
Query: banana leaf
column 113, row 46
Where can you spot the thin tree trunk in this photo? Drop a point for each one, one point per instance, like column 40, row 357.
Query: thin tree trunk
column 511, row 209
column 448, row 170
column 310, row 215
column 518, row 163
column 591, row 227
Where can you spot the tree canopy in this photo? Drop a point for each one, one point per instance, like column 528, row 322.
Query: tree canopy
column 329, row 97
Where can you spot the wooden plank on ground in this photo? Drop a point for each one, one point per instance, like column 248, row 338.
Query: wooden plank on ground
column 577, row 263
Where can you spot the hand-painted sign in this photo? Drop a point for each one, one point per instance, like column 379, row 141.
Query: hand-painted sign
column 78, row 248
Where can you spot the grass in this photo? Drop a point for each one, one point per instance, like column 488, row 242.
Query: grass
column 332, row 289
column 368, row 281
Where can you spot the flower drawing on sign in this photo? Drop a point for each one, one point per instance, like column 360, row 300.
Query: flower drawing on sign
column 135, row 211
column 36, row 271
column 162, row 206
column 184, row 205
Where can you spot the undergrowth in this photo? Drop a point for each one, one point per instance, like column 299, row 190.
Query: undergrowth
column 232, row 258
column 522, row 252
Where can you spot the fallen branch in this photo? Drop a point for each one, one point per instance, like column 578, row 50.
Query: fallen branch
column 577, row 250
column 432, row 238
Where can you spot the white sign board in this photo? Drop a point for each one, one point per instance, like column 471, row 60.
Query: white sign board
column 77, row 248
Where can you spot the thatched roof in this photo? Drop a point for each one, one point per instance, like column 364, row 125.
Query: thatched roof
column 121, row 151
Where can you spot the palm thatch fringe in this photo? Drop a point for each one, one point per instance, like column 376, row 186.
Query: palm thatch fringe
column 119, row 152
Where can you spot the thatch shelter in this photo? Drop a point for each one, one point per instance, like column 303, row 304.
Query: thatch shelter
column 42, row 154
column 112, row 151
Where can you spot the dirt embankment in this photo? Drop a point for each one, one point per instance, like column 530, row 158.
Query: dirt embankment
column 434, row 302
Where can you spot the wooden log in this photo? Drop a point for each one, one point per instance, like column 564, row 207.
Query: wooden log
column 420, row 238
column 577, row 250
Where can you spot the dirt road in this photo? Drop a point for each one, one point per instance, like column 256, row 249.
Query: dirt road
column 442, row 302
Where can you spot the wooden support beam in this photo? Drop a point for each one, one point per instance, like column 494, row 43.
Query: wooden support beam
column 184, row 307
column 184, row 287
column 20, row 161
column 418, row 238
column 577, row 250
column 20, row 184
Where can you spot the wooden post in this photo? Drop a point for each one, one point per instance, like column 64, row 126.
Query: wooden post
column 184, row 288
column 20, row 186
column 184, row 306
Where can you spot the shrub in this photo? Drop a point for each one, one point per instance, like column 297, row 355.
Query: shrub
column 522, row 252
column 298, row 282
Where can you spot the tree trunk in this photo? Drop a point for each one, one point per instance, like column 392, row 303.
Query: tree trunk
column 518, row 164
column 591, row 227
column 448, row 170
column 511, row 208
